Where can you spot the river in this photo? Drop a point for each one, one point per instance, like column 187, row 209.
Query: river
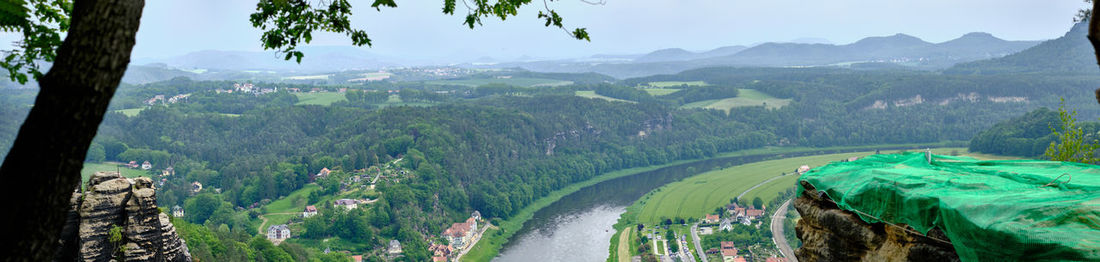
column 578, row 227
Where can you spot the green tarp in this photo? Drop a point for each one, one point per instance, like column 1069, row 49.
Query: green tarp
column 1004, row 210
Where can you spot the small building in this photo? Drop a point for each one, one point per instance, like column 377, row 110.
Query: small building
column 196, row 187
column 357, row 258
column 177, row 211
column 278, row 233
column 710, row 219
column 146, row 165
column 310, row 211
column 439, row 259
column 132, row 164
column 729, row 252
column 476, row 215
column 440, row 250
column 347, row 204
column 726, row 224
column 802, row 169
column 753, row 213
column 323, row 173
column 394, row 248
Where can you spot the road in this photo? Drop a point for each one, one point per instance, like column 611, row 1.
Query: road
column 777, row 232
column 698, row 247
column 754, row 187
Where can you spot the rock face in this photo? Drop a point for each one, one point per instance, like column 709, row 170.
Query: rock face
column 832, row 234
column 117, row 217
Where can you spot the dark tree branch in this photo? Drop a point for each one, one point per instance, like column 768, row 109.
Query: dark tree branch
column 1095, row 37
column 43, row 166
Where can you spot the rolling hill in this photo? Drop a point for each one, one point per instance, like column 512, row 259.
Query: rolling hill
column 1070, row 53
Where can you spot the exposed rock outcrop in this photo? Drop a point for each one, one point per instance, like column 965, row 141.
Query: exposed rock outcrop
column 829, row 233
column 117, row 217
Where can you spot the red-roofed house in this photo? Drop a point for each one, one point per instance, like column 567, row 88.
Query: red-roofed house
column 711, row 219
column 439, row 259
column 739, row 259
column 310, row 211
column 357, row 258
column 776, row 259
column 729, row 252
column 754, row 213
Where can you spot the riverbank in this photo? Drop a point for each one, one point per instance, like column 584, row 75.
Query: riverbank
column 492, row 242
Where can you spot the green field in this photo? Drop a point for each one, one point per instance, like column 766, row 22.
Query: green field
column 90, row 168
column 321, row 98
column 592, row 94
column 132, row 112
column 676, row 83
column 701, row 194
column 515, row 81
column 745, row 97
column 660, row 91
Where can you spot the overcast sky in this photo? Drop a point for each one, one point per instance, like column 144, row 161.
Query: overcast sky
column 418, row 30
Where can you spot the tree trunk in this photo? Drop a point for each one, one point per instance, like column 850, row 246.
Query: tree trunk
column 1094, row 36
column 43, row 167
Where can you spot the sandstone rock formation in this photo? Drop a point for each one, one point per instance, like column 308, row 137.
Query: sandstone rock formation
column 832, row 234
column 117, row 217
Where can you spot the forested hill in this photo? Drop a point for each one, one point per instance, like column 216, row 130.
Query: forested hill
column 1070, row 54
column 1028, row 135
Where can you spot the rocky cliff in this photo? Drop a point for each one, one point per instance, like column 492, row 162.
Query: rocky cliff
column 832, row 234
column 117, row 218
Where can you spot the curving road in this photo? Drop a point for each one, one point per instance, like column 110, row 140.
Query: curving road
column 698, row 247
column 758, row 185
column 777, row 232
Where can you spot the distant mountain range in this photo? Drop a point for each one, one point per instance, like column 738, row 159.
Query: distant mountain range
column 896, row 51
column 677, row 54
column 1071, row 53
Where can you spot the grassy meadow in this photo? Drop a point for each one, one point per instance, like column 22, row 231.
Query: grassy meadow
column 592, row 94
column 320, row 98
column 698, row 195
column 745, row 97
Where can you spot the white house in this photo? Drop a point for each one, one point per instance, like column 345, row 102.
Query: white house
column 476, row 215
column 146, row 165
column 177, row 211
column 348, row 204
column 394, row 248
column 310, row 211
column 278, row 233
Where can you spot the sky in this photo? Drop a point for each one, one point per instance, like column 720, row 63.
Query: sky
column 418, row 29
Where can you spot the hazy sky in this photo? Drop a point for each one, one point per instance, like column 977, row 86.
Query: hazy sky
column 417, row 29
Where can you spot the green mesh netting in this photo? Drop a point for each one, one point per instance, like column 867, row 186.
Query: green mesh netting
column 1004, row 210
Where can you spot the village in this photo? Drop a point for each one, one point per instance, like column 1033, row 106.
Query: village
column 357, row 191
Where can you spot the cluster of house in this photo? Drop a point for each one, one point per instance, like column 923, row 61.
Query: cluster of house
column 459, row 236
column 728, row 252
column 144, row 166
column 247, row 88
column 169, row 100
